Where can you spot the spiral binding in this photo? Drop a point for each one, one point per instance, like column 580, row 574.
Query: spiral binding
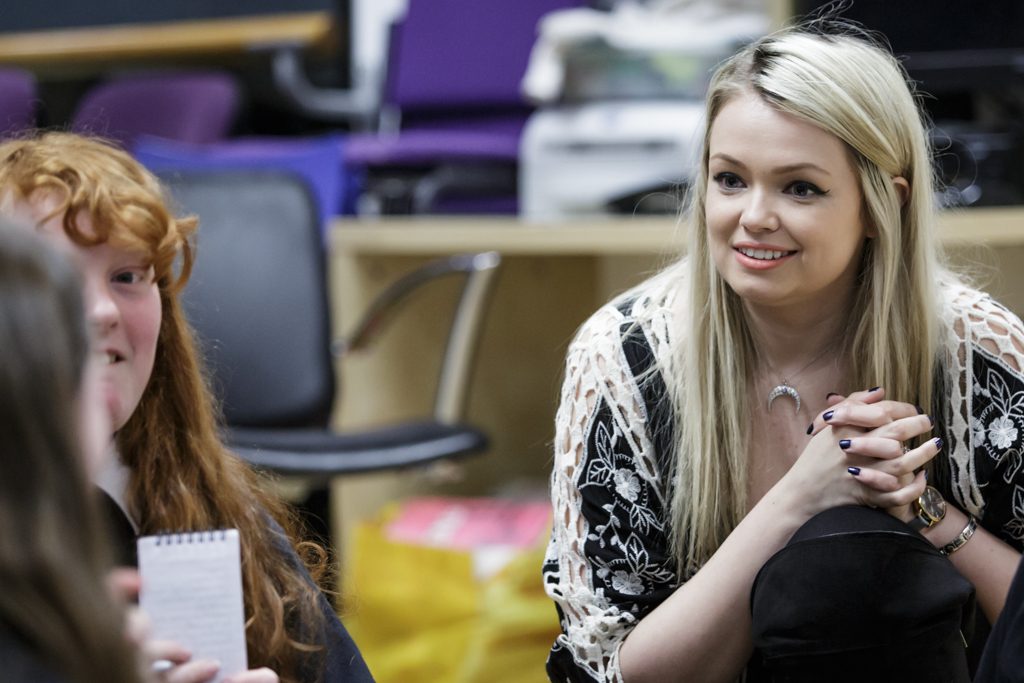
column 182, row 537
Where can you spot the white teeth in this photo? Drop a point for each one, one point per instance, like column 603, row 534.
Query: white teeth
column 762, row 254
column 111, row 358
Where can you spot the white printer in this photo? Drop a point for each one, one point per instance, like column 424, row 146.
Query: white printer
column 583, row 159
column 621, row 103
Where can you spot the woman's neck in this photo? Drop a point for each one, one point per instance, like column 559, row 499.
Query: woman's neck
column 787, row 340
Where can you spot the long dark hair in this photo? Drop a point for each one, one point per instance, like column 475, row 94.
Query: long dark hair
column 53, row 552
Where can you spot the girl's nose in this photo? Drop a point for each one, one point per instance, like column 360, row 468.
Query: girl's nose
column 100, row 307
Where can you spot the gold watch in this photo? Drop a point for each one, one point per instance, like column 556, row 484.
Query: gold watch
column 929, row 509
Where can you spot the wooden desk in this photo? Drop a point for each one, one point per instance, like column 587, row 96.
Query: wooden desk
column 91, row 48
column 553, row 277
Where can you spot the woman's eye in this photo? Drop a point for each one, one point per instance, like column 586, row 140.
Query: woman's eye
column 728, row 181
column 802, row 188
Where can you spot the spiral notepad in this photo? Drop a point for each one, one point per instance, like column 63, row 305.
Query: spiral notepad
column 192, row 593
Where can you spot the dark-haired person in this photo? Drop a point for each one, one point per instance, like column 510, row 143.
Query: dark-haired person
column 57, row 621
column 170, row 469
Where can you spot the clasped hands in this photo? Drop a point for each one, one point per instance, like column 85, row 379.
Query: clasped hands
column 856, row 455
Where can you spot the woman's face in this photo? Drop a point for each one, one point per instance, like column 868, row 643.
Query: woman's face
column 783, row 207
column 122, row 305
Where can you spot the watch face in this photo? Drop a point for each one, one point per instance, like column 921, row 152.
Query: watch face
column 932, row 504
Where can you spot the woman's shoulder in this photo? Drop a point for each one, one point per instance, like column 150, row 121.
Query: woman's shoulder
column 646, row 310
column 983, row 324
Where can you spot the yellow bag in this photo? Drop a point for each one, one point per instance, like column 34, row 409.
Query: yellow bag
column 423, row 614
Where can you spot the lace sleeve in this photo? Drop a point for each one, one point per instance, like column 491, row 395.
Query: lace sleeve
column 987, row 461
column 608, row 562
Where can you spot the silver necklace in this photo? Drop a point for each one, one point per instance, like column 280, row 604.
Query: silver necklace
column 785, row 387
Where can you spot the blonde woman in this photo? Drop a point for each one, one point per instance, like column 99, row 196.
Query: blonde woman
column 792, row 362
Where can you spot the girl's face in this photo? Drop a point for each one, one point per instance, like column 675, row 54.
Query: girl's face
column 783, row 208
column 122, row 305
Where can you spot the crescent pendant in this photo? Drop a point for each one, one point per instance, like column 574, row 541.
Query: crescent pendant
column 783, row 390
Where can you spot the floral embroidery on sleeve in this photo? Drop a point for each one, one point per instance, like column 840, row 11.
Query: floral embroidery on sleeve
column 608, row 563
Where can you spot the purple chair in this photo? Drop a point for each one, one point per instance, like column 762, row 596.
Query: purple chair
column 317, row 161
column 453, row 79
column 18, row 100
column 197, row 107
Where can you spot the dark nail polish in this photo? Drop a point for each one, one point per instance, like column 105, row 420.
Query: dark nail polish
column 920, row 410
column 938, row 443
column 830, row 395
column 828, row 415
column 844, row 443
column 810, row 428
column 931, row 421
column 855, row 471
column 874, row 389
column 926, row 475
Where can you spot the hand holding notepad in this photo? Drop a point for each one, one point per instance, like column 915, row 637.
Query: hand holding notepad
column 192, row 594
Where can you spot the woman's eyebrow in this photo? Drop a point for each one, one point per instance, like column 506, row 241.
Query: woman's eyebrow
column 778, row 170
column 802, row 166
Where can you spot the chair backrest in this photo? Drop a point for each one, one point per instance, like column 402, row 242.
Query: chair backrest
column 18, row 100
column 186, row 106
column 258, row 296
column 449, row 54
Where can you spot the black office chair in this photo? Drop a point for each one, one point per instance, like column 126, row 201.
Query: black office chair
column 258, row 299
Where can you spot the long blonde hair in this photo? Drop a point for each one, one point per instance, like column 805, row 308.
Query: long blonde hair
column 852, row 87
column 182, row 477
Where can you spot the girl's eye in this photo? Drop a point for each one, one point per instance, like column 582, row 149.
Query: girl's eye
column 802, row 189
column 129, row 277
column 728, row 181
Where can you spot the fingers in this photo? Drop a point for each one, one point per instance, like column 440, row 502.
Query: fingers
column 873, row 395
column 891, row 449
column 889, row 474
column 883, row 490
column 199, row 671
column 862, row 416
column 167, row 650
column 137, row 627
column 263, row 675
column 123, row 584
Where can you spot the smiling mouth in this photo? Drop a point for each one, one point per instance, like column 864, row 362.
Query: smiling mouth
column 763, row 254
column 110, row 358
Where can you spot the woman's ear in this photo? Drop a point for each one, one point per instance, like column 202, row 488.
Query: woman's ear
column 902, row 189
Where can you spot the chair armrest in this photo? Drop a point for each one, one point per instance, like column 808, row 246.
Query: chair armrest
column 357, row 106
column 479, row 270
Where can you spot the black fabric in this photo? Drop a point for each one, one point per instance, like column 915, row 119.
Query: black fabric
column 1003, row 658
column 120, row 530
column 856, row 595
column 640, row 357
column 19, row 663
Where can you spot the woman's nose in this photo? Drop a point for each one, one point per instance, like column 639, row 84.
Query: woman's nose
column 759, row 212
